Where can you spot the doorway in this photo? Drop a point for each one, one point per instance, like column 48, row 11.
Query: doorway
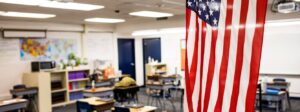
column 126, row 50
column 152, row 49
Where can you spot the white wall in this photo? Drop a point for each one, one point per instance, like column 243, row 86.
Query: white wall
column 281, row 54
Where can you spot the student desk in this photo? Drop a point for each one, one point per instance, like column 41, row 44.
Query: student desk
column 99, row 92
column 98, row 105
column 143, row 109
column 24, row 91
column 283, row 86
column 31, row 94
column 280, row 98
column 164, row 88
column 129, row 93
column 279, row 85
column 13, row 104
column 107, row 82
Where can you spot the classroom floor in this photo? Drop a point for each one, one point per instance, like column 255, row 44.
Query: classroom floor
column 143, row 98
column 295, row 106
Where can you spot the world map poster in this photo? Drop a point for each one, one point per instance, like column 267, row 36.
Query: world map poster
column 47, row 49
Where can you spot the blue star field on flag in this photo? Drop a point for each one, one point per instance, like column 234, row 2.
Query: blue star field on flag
column 207, row 10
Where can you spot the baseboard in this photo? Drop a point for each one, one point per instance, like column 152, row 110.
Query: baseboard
column 295, row 98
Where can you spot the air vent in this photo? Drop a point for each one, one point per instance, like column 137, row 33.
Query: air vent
column 288, row 7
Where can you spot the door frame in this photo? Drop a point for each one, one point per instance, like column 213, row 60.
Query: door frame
column 133, row 49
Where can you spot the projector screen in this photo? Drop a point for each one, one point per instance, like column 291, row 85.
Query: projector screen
column 281, row 50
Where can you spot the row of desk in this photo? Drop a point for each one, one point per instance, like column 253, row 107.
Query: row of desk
column 102, row 106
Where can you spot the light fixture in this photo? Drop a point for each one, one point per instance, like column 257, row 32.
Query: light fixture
column 70, row 5
column 22, row 2
column 104, row 20
column 55, row 4
column 175, row 30
column 26, row 15
column 151, row 14
column 145, row 32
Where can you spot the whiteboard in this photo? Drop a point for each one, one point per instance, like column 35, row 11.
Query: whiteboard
column 9, row 50
column 281, row 50
column 99, row 46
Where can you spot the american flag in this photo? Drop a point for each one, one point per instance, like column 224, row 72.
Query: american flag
column 224, row 44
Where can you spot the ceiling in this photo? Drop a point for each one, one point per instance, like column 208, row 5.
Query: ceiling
column 177, row 7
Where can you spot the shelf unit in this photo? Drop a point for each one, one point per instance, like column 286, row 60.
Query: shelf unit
column 155, row 70
column 58, row 90
column 60, row 86
column 77, row 80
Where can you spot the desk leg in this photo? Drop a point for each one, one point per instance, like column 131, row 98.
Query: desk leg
column 277, row 106
column 288, row 100
column 181, row 102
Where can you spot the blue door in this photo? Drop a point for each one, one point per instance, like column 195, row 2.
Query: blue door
column 126, row 56
column 151, row 48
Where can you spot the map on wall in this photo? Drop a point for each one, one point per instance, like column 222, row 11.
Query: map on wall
column 47, row 49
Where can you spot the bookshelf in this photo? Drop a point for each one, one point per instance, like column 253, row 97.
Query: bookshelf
column 63, row 87
column 155, row 70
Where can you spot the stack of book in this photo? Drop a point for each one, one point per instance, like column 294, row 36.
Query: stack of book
column 77, row 75
column 76, row 96
column 76, row 85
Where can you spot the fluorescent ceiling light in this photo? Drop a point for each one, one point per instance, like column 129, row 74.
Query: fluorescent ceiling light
column 104, row 20
column 150, row 14
column 55, row 4
column 22, row 2
column 145, row 32
column 70, row 5
column 159, row 31
column 173, row 30
column 26, row 15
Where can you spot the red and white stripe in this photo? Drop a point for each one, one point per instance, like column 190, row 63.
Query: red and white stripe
column 223, row 63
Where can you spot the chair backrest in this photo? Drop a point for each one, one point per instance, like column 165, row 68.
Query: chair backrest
column 84, row 107
column 121, row 109
column 279, row 80
column 19, row 86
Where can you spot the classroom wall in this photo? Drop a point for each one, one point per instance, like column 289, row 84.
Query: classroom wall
column 13, row 68
column 281, row 54
column 170, row 53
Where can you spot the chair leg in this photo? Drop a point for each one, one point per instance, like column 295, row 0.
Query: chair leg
column 172, row 103
column 288, row 99
column 148, row 101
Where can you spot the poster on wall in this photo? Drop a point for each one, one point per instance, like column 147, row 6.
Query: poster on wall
column 47, row 49
column 182, row 51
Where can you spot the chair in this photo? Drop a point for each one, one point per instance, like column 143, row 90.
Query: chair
column 282, row 80
column 279, row 80
column 176, row 87
column 19, row 86
column 84, row 107
column 121, row 109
